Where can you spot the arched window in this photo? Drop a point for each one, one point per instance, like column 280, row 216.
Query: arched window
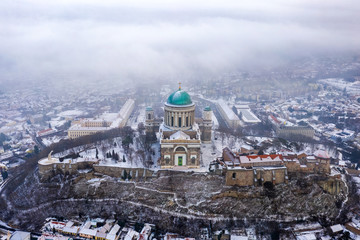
column 234, row 175
column 172, row 121
column 187, row 121
column 180, row 149
column 193, row 160
column 149, row 116
column 167, row 160
column 179, row 122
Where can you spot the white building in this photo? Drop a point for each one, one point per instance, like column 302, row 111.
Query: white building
column 228, row 115
column 246, row 115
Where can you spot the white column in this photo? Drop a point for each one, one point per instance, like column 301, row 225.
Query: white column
column 176, row 119
column 183, row 119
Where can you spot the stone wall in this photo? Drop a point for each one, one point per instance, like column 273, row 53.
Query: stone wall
column 243, row 177
column 332, row 185
column 50, row 170
column 276, row 176
column 251, row 177
column 119, row 171
column 292, row 166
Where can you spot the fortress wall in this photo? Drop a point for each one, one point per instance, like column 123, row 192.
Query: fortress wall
column 279, row 176
column 118, row 171
column 244, row 177
column 292, row 166
column 47, row 171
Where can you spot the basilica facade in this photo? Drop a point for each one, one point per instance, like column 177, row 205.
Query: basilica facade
column 181, row 135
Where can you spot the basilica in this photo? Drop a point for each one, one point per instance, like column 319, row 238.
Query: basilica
column 181, row 135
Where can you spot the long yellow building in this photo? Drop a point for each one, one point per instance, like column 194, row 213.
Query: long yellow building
column 88, row 126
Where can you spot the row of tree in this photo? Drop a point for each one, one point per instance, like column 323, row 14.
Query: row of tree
column 126, row 176
column 115, row 156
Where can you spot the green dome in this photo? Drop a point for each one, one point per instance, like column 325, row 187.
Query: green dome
column 179, row 97
column 207, row 108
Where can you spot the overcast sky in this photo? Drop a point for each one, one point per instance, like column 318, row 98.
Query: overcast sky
column 146, row 40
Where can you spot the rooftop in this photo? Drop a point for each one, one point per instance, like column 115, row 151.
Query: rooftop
column 179, row 98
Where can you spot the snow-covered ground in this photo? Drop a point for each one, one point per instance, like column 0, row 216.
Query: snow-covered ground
column 71, row 113
column 50, row 140
column 16, row 163
column 57, row 122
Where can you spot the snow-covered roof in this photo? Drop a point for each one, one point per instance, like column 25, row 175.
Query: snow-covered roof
column 342, row 163
column 126, row 108
column 87, row 224
column 248, row 116
column 131, row 234
column 70, row 229
column 20, row 235
column 259, row 159
column 321, row 154
column 116, row 123
column 179, row 135
column 101, row 235
column 230, row 113
column 114, row 229
column 57, row 225
column 87, row 231
column 46, row 132
column 336, row 228
column 110, row 236
column 308, row 236
column 234, row 237
column 69, row 224
column 78, row 127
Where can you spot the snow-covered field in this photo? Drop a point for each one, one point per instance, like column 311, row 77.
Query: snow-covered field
column 50, row 140
column 71, row 113
column 57, row 122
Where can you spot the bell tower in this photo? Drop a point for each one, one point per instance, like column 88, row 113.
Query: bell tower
column 150, row 125
column 207, row 125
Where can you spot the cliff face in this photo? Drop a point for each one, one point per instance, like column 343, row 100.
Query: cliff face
column 169, row 199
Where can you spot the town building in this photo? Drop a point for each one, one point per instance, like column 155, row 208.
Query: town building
column 255, row 170
column 107, row 121
column 231, row 119
column 46, row 132
column 20, row 235
column 295, row 132
column 246, row 114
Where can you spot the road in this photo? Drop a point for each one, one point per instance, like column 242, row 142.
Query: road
column 37, row 140
column 222, row 122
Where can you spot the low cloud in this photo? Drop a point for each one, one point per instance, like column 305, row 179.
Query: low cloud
column 89, row 41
